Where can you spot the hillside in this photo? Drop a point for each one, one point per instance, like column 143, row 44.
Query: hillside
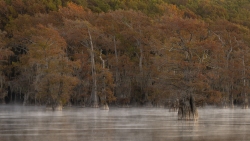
column 124, row 52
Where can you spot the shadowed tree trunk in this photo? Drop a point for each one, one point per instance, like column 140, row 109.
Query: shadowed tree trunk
column 174, row 105
column 94, row 99
column 187, row 109
column 245, row 102
column 104, row 104
column 3, row 92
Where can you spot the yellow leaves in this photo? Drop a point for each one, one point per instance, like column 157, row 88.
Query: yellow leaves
column 74, row 8
column 172, row 10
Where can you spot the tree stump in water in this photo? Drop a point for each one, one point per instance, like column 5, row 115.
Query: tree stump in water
column 174, row 106
column 105, row 107
column 187, row 109
column 95, row 106
column 3, row 94
column 245, row 104
column 55, row 106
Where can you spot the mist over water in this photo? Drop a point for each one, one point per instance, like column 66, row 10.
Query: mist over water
column 121, row 124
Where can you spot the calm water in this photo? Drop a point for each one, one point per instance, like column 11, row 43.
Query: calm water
column 118, row 124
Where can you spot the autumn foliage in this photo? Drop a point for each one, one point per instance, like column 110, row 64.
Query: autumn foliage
column 124, row 52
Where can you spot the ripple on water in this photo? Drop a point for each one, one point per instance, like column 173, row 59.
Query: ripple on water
column 125, row 124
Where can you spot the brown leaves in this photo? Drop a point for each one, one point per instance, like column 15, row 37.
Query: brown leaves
column 74, row 12
column 4, row 51
column 147, row 59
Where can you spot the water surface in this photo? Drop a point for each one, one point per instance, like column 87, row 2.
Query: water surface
column 121, row 124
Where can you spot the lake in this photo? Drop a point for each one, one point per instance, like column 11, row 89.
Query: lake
column 18, row 123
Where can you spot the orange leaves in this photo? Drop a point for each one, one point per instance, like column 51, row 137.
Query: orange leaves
column 48, row 37
column 46, row 44
column 144, row 57
column 74, row 12
column 214, row 97
column 46, row 60
column 4, row 52
column 190, row 25
column 172, row 11
column 106, row 85
column 224, row 26
column 19, row 6
column 4, row 7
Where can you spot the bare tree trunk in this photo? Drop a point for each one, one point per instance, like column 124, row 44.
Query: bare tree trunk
column 104, row 100
column 117, row 81
column 116, row 59
column 245, row 103
column 1, row 86
column 25, row 96
column 143, row 79
column 140, row 60
column 187, row 109
column 2, row 91
column 94, row 99
column 232, row 98
column 228, row 87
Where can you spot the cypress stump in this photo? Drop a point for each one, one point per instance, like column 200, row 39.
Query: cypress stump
column 105, row 107
column 187, row 109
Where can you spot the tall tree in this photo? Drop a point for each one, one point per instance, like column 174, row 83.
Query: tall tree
column 189, row 53
column 5, row 53
column 48, row 70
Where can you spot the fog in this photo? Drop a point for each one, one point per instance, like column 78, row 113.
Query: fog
column 121, row 124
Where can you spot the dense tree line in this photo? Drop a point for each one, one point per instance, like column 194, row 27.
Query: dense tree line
column 124, row 52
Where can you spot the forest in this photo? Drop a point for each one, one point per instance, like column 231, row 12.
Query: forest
column 124, row 52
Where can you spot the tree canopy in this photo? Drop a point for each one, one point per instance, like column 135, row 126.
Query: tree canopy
column 121, row 52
